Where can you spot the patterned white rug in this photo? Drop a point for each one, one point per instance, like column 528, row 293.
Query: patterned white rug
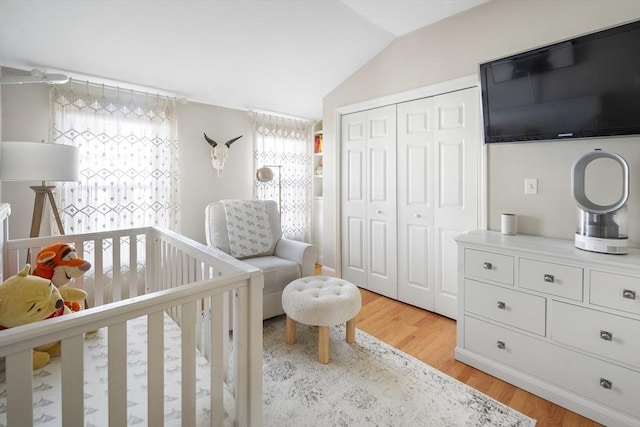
column 368, row 383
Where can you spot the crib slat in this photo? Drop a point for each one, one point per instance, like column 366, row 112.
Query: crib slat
column 155, row 377
column 184, row 269
column 79, row 281
column 188, row 326
column 240, row 376
column 175, row 274
column 217, row 362
column 11, row 263
column 226, row 314
column 98, row 272
column 117, row 291
column 254, row 338
column 72, row 383
column 117, row 342
column 152, row 254
column 19, row 367
column 133, row 266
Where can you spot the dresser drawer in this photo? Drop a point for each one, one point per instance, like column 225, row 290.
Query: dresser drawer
column 488, row 265
column 615, row 291
column 555, row 279
column 613, row 337
column 578, row 373
column 513, row 308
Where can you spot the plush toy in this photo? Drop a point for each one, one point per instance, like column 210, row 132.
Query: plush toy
column 25, row 298
column 60, row 264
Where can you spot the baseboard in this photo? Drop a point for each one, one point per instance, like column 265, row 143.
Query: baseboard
column 326, row 271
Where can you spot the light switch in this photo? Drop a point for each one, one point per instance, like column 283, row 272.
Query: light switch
column 531, row 186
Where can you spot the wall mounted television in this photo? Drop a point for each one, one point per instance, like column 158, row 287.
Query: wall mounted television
column 585, row 87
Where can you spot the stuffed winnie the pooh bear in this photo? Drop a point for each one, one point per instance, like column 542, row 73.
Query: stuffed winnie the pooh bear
column 26, row 299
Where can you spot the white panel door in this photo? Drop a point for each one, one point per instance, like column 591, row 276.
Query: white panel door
column 415, row 203
column 456, row 187
column 438, row 158
column 400, row 243
column 381, row 203
column 355, row 247
column 369, row 200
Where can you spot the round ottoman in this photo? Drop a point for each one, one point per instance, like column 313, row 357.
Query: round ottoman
column 321, row 301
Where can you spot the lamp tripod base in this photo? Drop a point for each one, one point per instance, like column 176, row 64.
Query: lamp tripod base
column 42, row 193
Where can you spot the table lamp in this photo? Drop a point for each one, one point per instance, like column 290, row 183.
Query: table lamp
column 34, row 161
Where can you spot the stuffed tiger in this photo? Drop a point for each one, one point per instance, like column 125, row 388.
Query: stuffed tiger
column 60, row 263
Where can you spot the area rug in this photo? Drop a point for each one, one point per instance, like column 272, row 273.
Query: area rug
column 368, row 383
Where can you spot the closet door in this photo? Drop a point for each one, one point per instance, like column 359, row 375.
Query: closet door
column 355, row 265
column 415, row 202
column 456, row 187
column 381, row 201
column 369, row 200
column 438, row 160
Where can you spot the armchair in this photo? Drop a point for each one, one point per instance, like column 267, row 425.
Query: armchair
column 282, row 261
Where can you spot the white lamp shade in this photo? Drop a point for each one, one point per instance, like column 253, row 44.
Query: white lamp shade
column 35, row 161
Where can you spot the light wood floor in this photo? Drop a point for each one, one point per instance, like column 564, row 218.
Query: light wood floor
column 432, row 338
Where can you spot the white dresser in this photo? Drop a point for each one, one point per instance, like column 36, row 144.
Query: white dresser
column 559, row 322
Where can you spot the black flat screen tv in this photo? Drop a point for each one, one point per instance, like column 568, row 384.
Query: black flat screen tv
column 580, row 88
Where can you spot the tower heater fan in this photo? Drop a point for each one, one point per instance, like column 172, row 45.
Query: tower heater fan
column 601, row 228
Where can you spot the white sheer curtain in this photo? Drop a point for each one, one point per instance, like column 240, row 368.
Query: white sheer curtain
column 129, row 158
column 285, row 145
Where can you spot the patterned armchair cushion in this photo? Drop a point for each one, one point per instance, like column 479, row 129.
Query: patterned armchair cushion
column 218, row 233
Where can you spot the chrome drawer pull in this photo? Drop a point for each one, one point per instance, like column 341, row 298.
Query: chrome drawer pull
column 487, row 266
column 627, row 293
column 549, row 278
column 501, row 345
column 605, row 383
column 605, row 335
column 502, row 305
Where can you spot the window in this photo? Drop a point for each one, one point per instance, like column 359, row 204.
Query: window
column 284, row 145
column 128, row 158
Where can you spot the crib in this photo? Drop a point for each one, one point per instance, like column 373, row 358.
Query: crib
column 158, row 286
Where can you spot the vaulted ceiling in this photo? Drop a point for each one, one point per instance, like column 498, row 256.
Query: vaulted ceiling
column 272, row 55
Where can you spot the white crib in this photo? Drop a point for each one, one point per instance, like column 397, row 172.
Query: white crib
column 175, row 278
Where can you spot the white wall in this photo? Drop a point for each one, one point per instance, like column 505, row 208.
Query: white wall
column 453, row 48
column 200, row 184
column 25, row 117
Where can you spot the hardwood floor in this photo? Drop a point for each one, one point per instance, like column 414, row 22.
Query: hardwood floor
column 432, row 338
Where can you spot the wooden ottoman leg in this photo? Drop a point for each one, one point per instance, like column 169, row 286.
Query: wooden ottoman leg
column 291, row 331
column 323, row 344
column 351, row 330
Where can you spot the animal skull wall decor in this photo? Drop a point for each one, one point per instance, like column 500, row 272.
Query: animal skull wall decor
column 219, row 152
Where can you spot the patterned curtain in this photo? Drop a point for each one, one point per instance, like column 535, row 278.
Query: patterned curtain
column 285, row 145
column 128, row 158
